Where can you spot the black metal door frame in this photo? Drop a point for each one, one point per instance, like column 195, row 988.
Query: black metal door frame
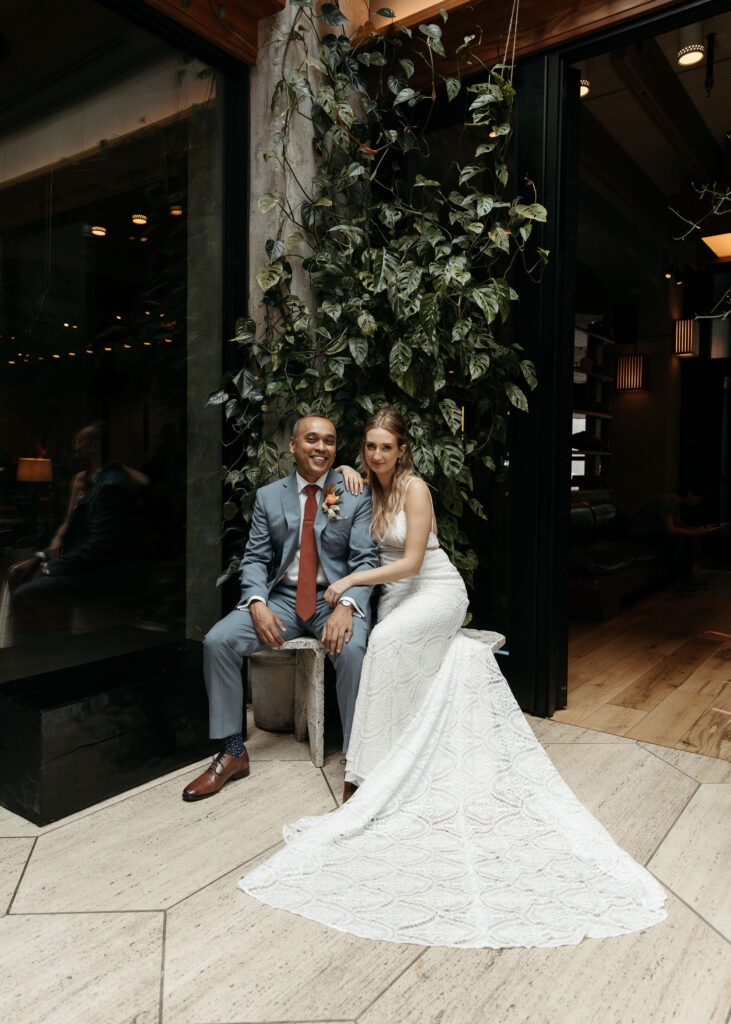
column 546, row 152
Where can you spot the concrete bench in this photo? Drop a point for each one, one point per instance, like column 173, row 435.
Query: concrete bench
column 309, row 686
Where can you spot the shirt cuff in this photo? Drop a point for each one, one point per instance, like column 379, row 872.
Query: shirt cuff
column 350, row 603
column 245, row 605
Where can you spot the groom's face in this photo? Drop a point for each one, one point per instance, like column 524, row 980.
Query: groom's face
column 314, row 447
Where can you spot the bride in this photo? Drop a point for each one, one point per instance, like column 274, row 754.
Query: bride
column 458, row 831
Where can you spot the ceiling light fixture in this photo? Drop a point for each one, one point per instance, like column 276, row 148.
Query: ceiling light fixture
column 720, row 245
column 691, row 46
column 176, row 210
column 584, row 87
column 139, row 218
column 98, row 230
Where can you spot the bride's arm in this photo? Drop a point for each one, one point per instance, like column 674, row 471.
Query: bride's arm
column 418, row 510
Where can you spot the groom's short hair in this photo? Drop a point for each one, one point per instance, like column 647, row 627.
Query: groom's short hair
column 308, row 416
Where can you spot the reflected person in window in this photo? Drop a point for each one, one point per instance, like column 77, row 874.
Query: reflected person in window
column 87, row 556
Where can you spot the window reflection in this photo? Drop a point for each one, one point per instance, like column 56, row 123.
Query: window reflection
column 103, row 225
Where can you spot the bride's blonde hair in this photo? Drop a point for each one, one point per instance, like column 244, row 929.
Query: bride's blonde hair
column 385, row 507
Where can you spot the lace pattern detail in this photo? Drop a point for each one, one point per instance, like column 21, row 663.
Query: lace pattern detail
column 462, row 833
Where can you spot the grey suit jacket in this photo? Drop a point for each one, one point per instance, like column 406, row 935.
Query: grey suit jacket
column 344, row 545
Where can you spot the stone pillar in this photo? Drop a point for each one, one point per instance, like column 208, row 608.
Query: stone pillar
column 205, row 271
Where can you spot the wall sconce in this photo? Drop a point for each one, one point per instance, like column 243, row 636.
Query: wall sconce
column 584, row 88
column 687, row 338
column 35, row 471
column 631, row 373
column 98, row 230
column 691, row 45
column 139, row 218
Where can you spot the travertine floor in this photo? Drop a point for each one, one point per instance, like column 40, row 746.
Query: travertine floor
column 128, row 913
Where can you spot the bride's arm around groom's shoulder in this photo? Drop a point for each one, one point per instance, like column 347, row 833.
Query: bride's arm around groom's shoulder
column 362, row 549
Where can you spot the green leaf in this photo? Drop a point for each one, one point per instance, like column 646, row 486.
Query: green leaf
column 423, row 459
column 469, row 172
column 333, row 309
column 274, row 248
column 267, row 202
column 500, row 237
column 477, row 508
column 431, row 31
column 532, row 212
column 218, row 397
column 529, row 372
column 400, row 358
column 367, row 324
column 267, row 277
column 350, row 231
column 451, row 457
column 452, row 414
column 421, row 182
column 403, row 96
column 323, row 201
column 230, row 510
column 486, row 298
column 359, row 349
column 331, row 15
column 453, row 86
column 332, row 383
column 408, row 67
column 479, row 363
column 296, row 238
column 516, row 397
column 385, row 269
column 429, row 311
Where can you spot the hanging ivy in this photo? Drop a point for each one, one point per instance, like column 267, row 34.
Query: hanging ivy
column 411, row 268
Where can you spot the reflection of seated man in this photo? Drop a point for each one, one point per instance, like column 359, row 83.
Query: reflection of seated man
column 86, row 557
column 661, row 522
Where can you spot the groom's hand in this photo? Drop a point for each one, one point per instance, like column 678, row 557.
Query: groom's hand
column 338, row 629
column 267, row 624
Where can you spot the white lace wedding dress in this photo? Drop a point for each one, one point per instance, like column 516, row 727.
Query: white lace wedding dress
column 462, row 833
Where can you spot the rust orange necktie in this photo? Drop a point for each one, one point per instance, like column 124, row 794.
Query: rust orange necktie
column 307, row 578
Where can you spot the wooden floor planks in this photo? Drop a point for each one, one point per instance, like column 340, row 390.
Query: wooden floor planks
column 659, row 671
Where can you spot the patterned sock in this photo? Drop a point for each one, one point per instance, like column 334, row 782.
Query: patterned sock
column 234, row 745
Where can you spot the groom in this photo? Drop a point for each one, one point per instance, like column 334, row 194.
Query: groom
column 306, row 532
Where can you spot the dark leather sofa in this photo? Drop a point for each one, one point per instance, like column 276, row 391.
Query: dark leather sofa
column 605, row 564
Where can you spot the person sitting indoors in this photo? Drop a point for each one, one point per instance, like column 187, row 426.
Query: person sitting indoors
column 663, row 522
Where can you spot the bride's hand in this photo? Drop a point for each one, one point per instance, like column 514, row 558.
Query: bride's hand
column 336, row 590
column 352, row 479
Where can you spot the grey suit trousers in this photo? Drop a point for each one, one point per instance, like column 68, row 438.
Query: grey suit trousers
column 234, row 638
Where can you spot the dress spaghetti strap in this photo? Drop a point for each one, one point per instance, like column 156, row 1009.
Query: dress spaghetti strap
column 403, row 503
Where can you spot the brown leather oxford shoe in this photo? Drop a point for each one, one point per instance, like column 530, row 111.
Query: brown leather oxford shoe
column 223, row 769
column 348, row 789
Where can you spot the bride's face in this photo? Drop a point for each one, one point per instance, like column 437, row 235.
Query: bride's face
column 381, row 452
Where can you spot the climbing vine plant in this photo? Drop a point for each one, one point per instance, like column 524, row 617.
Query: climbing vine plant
column 410, row 266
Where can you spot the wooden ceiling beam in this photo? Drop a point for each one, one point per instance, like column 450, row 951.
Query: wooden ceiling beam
column 234, row 31
column 541, row 26
column 645, row 71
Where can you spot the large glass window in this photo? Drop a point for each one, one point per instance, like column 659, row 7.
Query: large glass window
column 110, row 270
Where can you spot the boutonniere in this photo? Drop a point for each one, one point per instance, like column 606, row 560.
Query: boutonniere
column 331, row 503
